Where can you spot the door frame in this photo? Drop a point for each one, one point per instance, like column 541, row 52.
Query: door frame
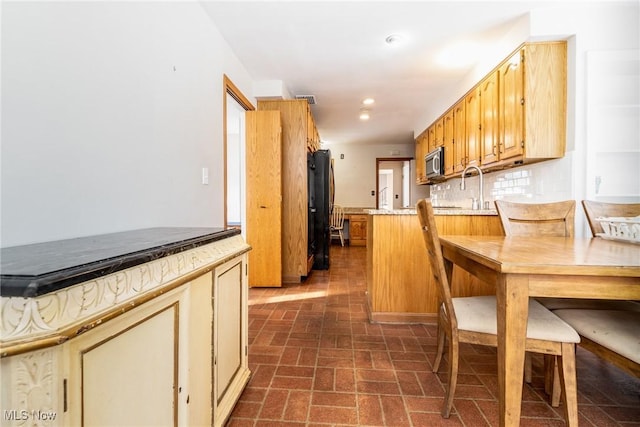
column 230, row 89
column 386, row 159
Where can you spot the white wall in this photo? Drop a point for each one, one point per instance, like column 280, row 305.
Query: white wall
column 593, row 26
column 355, row 175
column 109, row 112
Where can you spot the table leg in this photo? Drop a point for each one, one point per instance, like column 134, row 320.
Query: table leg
column 512, row 294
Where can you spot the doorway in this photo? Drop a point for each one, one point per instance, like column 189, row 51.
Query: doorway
column 235, row 105
column 392, row 182
column 386, row 192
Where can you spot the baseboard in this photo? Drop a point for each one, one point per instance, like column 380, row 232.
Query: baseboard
column 388, row 317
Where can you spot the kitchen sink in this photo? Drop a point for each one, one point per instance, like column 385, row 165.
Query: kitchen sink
column 447, row 207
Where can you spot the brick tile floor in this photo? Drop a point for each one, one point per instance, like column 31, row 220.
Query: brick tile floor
column 317, row 361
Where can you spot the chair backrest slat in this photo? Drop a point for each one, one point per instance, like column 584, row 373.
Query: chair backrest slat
column 337, row 217
column 595, row 210
column 541, row 219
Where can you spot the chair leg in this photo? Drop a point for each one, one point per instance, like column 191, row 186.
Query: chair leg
column 341, row 238
column 548, row 374
column 552, row 379
column 556, row 387
column 527, row 367
column 567, row 364
column 453, row 378
column 440, row 350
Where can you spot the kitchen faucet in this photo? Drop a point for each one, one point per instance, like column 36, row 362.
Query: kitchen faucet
column 480, row 187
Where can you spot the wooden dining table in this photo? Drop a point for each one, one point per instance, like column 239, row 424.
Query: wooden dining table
column 523, row 267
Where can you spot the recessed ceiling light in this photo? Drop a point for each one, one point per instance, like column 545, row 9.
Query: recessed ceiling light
column 394, row 39
column 368, row 101
column 364, row 115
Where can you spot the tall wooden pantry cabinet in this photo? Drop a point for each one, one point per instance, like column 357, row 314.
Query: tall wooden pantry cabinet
column 264, row 196
column 280, row 157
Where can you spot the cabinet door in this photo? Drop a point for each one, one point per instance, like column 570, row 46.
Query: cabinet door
column 489, row 114
column 512, row 107
column 473, row 127
column 127, row 371
column 421, row 149
column 358, row 230
column 459, row 140
column 447, row 136
column 139, row 362
column 230, row 340
column 439, row 141
column 431, row 133
column 313, row 138
column 264, row 197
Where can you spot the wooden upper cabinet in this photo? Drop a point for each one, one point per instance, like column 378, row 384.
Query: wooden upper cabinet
column 447, row 136
column 544, row 71
column 533, row 104
column 459, row 137
column 439, row 133
column 512, row 106
column 313, row 137
column 431, row 138
column 472, row 128
column 489, row 119
column 422, row 147
column 516, row 115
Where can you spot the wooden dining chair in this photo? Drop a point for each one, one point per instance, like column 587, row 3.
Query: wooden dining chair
column 607, row 328
column 337, row 223
column 611, row 335
column 474, row 320
column 595, row 210
column 555, row 219
column 539, row 219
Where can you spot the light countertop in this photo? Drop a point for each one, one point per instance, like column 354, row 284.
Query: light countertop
column 356, row 211
column 437, row 211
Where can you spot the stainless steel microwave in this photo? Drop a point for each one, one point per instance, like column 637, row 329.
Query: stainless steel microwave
column 434, row 164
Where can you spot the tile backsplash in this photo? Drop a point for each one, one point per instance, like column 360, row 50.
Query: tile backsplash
column 536, row 183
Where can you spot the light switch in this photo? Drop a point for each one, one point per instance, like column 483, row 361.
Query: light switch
column 205, row 176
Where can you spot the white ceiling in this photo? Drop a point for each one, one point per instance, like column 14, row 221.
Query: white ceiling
column 337, row 52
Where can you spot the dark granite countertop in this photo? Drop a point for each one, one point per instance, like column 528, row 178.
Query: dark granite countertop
column 37, row 269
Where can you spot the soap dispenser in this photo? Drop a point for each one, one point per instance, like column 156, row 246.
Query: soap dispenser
column 474, row 204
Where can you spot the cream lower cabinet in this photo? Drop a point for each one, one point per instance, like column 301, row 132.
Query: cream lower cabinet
column 134, row 369
column 175, row 357
column 230, row 337
column 161, row 343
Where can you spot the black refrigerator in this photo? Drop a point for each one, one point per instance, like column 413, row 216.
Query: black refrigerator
column 321, row 193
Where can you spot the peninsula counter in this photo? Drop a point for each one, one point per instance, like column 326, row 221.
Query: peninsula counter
column 400, row 285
